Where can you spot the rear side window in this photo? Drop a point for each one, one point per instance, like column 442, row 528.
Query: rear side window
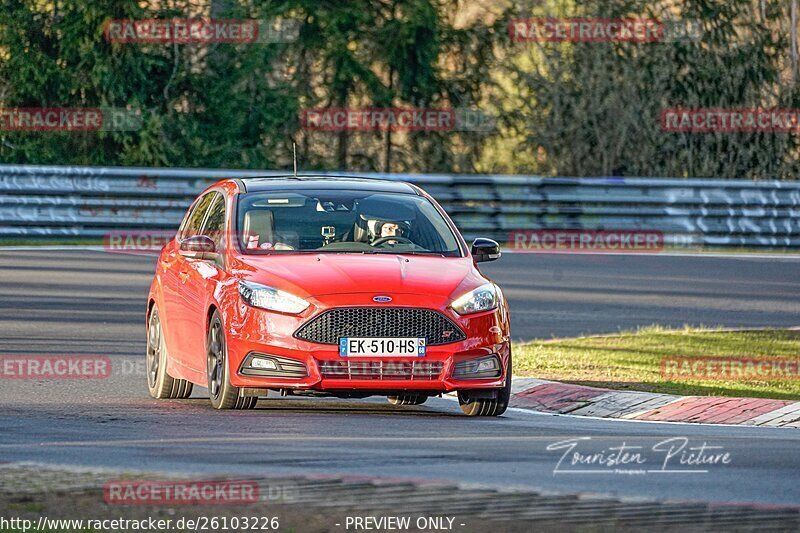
column 194, row 218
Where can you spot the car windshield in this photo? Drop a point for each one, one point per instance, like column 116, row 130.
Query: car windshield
column 342, row 221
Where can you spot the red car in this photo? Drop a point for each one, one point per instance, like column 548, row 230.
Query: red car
column 330, row 286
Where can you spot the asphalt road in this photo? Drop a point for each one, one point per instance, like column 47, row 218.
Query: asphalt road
column 558, row 295
column 92, row 303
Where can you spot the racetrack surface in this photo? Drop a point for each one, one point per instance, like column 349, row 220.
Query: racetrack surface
column 92, row 303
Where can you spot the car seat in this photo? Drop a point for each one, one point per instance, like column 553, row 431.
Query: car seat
column 258, row 228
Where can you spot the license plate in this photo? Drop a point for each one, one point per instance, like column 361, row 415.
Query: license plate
column 382, row 347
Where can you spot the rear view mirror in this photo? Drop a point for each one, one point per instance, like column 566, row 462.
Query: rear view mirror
column 485, row 250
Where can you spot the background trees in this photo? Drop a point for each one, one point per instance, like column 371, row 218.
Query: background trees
column 561, row 108
column 593, row 108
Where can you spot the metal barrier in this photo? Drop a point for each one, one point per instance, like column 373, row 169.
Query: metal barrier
column 86, row 202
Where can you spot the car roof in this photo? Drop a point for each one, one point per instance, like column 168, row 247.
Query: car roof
column 283, row 183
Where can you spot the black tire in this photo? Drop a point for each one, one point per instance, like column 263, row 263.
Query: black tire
column 488, row 407
column 160, row 384
column 407, row 399
column 223, row 395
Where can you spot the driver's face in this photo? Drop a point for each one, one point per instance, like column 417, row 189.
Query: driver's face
column 390, row 230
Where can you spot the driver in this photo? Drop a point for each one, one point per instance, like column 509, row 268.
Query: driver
column 390, row 228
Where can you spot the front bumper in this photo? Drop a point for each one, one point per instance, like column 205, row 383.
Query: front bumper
column 255, row 331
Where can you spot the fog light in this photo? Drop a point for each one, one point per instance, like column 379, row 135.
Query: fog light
column 267, row 365
column 487, row 364
column 263, row 364
column 481, row 367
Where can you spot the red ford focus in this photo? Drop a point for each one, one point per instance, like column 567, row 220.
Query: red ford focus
column 343, row 287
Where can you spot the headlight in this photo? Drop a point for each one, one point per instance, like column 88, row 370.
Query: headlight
column 270, row 298
column 484, row 298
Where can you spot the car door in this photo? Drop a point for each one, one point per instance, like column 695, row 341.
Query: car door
column 199, row 278
column 175, row 272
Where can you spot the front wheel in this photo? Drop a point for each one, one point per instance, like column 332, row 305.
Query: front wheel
column 223, row 395
column 474, row 406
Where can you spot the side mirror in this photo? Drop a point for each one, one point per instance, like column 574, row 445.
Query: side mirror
column 198, row 244
column 485, row 250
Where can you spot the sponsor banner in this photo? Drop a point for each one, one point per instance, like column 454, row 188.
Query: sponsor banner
column 730, row 369
column 397, row 119
column 53, row 367
column 69, row 119
column 180, row 492
column 200, row 31
column 705, row 120
column 557, row 240
column 588, row 30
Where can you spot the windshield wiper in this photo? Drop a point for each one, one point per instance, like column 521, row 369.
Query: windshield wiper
column 409, row 252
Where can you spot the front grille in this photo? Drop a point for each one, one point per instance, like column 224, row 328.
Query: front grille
column 331, row 325
column 385, row 370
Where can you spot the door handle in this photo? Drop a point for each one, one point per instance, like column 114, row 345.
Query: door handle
column 184, row 276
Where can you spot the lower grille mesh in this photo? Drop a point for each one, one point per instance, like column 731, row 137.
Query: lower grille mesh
column 331, row 325
column 385, row 370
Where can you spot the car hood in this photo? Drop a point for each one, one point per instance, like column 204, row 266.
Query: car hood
column 320, row 274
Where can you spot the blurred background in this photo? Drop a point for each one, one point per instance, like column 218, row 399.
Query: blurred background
column 525, row 106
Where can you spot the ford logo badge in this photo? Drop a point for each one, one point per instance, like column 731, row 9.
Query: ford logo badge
column 382, row 299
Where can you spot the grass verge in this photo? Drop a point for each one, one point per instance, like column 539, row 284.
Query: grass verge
column 633, row 360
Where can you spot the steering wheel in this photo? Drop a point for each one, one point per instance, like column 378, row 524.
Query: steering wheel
column 383, row 240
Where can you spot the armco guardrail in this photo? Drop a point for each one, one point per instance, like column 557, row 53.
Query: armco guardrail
column 51, row 201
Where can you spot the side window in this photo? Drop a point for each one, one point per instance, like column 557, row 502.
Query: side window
column 215, row 222
column 194, row 219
